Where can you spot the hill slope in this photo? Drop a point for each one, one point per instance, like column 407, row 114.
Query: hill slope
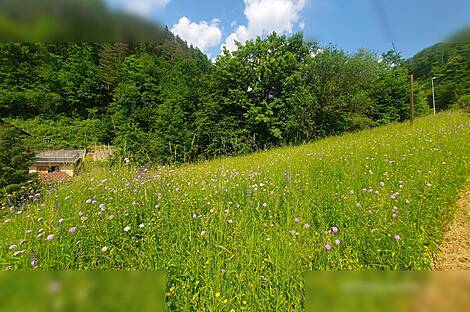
column 239, row 232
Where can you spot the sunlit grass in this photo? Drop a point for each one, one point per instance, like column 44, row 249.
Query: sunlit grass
column 239, row 232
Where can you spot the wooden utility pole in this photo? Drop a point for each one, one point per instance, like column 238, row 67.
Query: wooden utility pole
column 412, row 104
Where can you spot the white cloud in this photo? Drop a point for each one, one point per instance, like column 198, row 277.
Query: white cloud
column 201, row 35
column 266, row 16
column 140, row 7
column 241, row 35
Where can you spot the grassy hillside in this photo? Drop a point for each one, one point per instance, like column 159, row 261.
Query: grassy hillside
column 239, row 232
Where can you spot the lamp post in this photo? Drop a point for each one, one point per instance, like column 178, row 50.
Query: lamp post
column 433, row 96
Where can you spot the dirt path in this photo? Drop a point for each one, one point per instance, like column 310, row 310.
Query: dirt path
column 454, row 253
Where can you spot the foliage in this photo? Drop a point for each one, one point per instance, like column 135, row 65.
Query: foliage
column 63, row 132
column 14, row 161
column 239, row 233
column 166, row 102
column 449, row 62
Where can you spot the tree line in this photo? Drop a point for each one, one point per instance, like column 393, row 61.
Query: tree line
column 167, row 102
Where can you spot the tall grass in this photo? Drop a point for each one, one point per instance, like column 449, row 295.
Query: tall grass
column 238, row 233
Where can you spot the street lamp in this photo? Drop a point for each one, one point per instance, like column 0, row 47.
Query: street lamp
column 433, row 96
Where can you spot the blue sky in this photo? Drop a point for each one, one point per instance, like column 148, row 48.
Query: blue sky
column 349, row 24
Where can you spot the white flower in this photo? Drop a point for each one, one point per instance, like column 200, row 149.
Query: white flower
column 104, row 249
column 127, row 228
column 141, row 225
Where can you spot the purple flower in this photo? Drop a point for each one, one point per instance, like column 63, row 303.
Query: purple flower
column 334, row 229
column 382, row 184
column 194, row 216
column 397, row 237
column 50, row 237
column 110, row 217
column 73, row 229
column 223, row 271
column 395, row 215
column 203, row 233
column 34, row 262
column 327, row 247
column 306, row 226
column 12, row 247
column 296, row 220
column 292, row 232
column 337, row 242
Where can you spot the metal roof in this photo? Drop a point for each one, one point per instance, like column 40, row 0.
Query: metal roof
column 59, row 157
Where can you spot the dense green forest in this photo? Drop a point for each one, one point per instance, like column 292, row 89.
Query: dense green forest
column 449, row 62
column 167, row 102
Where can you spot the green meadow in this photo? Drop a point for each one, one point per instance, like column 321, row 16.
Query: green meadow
column 238, row 233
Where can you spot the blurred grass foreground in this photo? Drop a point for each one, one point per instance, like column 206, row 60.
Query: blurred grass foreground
column 81, row 291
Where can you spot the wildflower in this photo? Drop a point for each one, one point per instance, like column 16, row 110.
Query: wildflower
column 88, row 201
column 222, row 271
column 102, row 206
column 429, row 184
column 12, row 247
column 395, row 215
column 127, row 228
column 296, row 220
column 110, row 217
column 265, row 205
column 230, row 221
column 334, row 229
column 84, row 218
column 104, row 249
column 306, row 226
column 395, row 209
column 18, row 253
column 382, row 184
column 142, row 225
column 61, row 221
column 327, row 247
column 397, row 237
column 73, row 229
column 50, row 237
column 80, row 213
column 203, row 233
column 337, row 241
column 293, row 232
column 194, row 216
column 34, row 262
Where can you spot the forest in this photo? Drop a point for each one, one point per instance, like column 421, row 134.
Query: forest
column 167, row 102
